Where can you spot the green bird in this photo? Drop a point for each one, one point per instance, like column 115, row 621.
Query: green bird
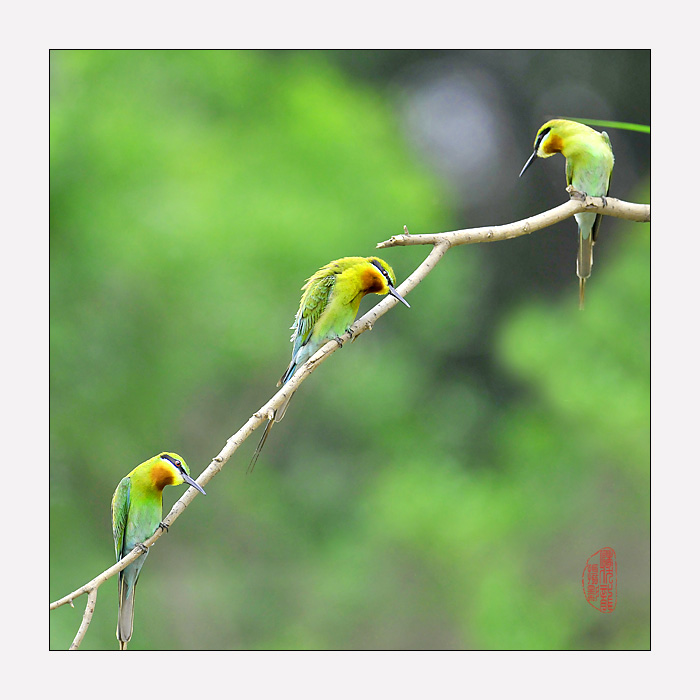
column 329, row 305
column 589, row 165
column 137, row 511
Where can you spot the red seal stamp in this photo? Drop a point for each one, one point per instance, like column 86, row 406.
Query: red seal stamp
column 600, row 580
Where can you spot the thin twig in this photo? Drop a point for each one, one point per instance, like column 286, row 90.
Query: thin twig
column 577, row 204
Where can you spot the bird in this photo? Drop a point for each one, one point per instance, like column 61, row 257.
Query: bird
column 328, row 307
column 589, row 165
column 137, row 511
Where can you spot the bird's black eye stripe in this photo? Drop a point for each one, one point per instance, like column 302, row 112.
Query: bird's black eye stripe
column 175, row 462
column 381, row 269
column 543, row 134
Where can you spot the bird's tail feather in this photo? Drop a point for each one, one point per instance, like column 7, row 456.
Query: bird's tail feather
column 256, row 454
column 584, row 262
column 279, row 415
column 282, row 409
column 581, row 292
column 125, row 619
column 288, row 373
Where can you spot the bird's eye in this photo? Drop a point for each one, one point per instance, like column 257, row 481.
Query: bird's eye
column 175, row 462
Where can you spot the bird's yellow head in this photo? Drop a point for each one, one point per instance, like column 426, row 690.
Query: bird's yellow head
column 379, row 278
column 169, row 469
column 558, row 135
column 548, row 141
column 550, row 138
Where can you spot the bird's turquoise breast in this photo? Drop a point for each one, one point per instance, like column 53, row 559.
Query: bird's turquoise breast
column 335, row 320
column 590, row 166
column 142, row 523
column 591, row 179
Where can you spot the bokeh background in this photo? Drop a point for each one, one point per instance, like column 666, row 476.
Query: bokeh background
column 440, row 483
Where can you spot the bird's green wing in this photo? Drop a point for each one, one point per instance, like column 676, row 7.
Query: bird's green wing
column 569, row 172
column 120, row 512
column 599, row 218
column 317, row 292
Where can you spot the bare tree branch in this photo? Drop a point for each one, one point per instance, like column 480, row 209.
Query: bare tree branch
column 577, row 204
column 441, row 243
column 87, row 619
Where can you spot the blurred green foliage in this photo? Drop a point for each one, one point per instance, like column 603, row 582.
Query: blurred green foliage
column 438, row 484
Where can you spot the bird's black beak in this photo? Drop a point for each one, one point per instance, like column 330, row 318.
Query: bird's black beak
column 529, row 162
column 189, row 480
column 394, row 293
